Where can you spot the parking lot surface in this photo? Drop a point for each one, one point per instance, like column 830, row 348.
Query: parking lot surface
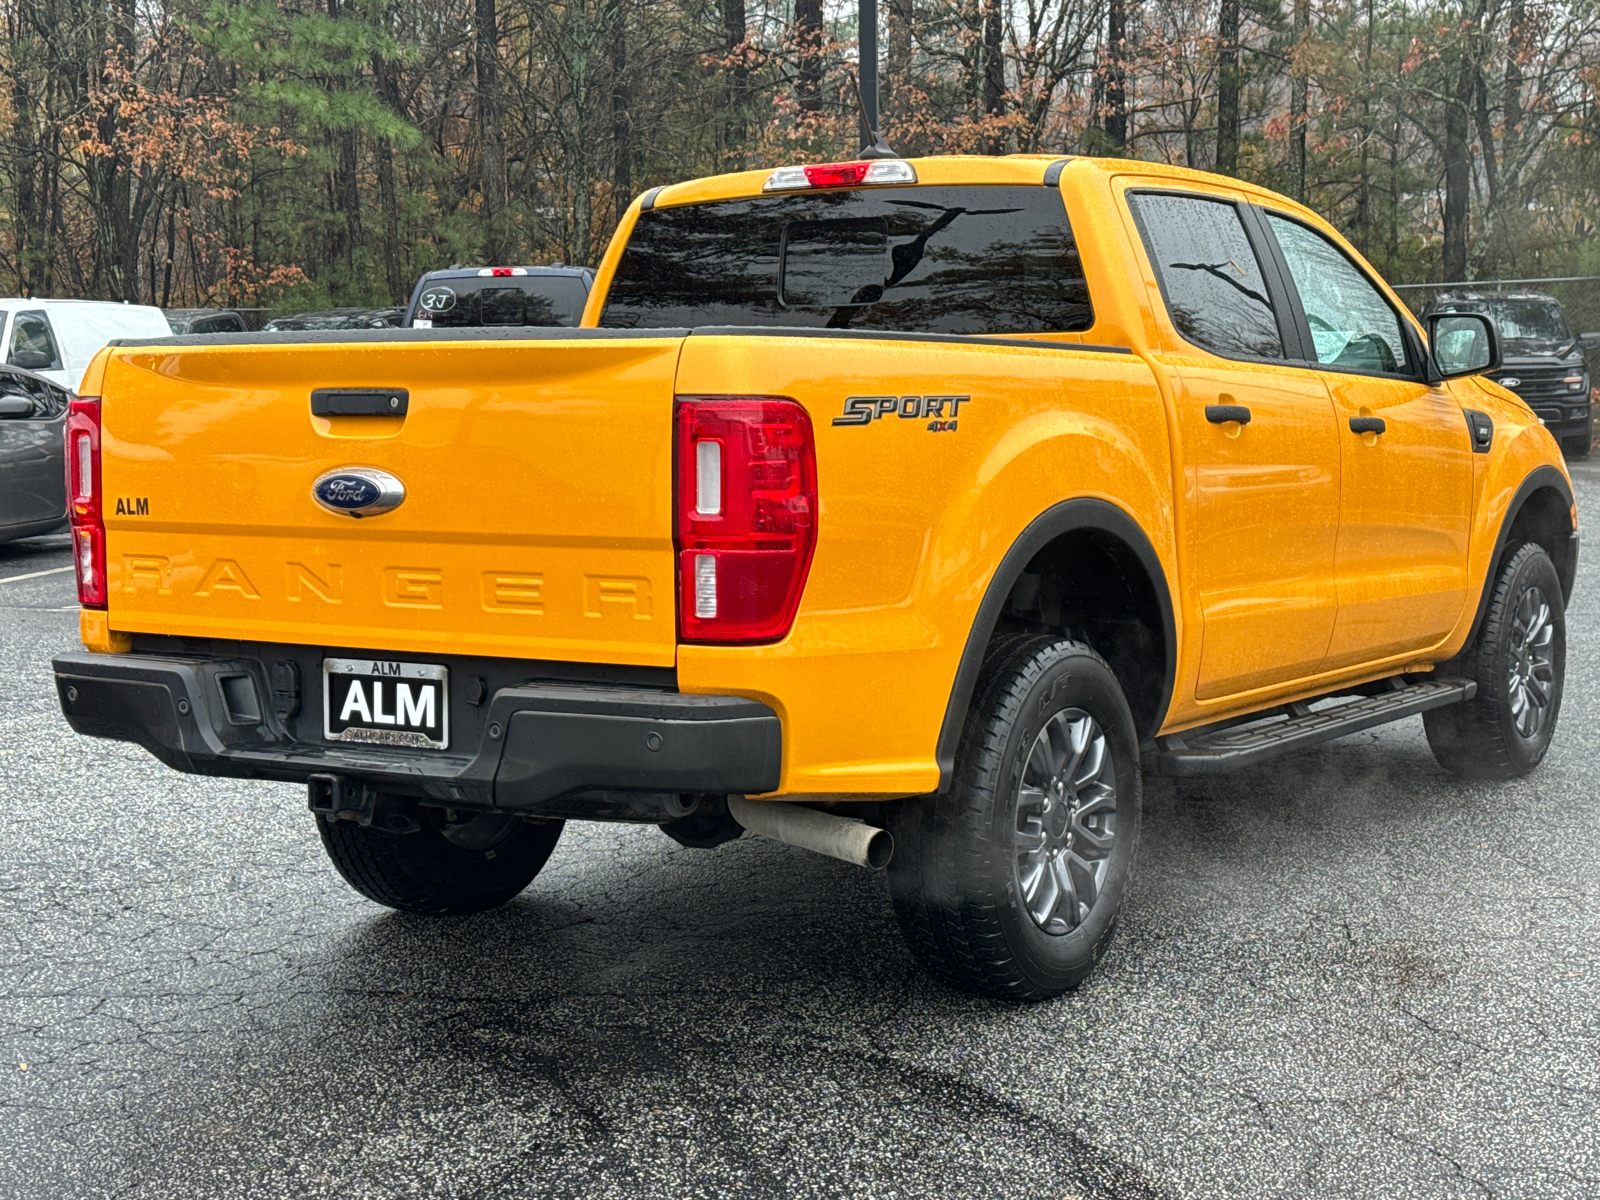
column 1343, row 974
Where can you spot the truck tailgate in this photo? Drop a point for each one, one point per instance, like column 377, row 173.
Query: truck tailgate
column 536, row 523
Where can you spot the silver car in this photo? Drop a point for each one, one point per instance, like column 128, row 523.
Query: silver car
column 33, row 413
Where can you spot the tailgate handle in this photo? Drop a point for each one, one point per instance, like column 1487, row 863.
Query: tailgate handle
column 359, row 402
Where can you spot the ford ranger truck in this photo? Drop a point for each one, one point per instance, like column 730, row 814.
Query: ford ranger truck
column 906, row 510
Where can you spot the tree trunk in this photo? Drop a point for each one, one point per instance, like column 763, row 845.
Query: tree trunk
column 1115, row 106
column 621, row 124
column 808, row 39
column 1298, row 86
column 1394, row 194
column 393, row 272
column 172, row 253
column 994, row 70
column 1457, row 176
column 491, row 146
column 1511, row 90
column 1363, row 229
column 897, row 66
column 734, row 31
column 1228, row 88
column 347, row 186
column 1491, row 174
column 111, row 184
column 25, row 177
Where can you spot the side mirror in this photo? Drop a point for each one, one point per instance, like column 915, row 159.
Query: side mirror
column 1591, row 341
column 1463, row 344
column 31, row 360
column 15, row 406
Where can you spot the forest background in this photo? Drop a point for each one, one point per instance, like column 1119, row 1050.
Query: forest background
column 314, row 152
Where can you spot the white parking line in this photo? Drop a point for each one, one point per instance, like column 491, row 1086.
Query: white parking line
column 36, row 575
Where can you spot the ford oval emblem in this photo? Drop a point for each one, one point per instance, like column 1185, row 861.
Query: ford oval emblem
column 1510, row 383
column 358, row 491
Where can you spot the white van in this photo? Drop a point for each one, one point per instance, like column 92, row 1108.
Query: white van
column 57, row 338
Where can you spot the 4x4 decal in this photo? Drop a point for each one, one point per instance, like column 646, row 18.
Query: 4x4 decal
column 863, row 410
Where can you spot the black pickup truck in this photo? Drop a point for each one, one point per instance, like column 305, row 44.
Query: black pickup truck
column 1543, row 359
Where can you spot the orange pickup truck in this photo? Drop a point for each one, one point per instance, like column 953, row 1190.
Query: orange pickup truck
column 904, row 510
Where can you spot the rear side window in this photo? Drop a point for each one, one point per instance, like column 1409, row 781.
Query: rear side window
column 31, row 335
column 1209, row 275
column 538, row 300
column 973, row 260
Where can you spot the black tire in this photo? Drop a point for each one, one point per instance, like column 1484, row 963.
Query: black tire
column 958, row 878
column 1576, row 448
column 476, row 862
column 1488, row 737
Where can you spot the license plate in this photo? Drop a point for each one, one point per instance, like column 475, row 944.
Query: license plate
column 386, row 703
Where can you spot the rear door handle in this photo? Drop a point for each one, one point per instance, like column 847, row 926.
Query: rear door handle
column 1219, row 414
column 1367, row 425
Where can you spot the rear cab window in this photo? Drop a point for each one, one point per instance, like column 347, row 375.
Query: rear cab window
column 975, row 259
column 473, row 301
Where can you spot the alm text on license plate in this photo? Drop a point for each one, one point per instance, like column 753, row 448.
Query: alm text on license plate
column 386, row 703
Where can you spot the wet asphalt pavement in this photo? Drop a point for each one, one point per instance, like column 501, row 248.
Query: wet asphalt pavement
column 1345, row 974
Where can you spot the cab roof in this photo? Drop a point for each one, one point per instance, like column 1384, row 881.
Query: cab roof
column 958, row 169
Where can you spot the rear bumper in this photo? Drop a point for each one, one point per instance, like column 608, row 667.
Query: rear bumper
column 535, row 744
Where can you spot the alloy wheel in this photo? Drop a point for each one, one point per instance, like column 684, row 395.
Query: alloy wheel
column 1532, row 666
column 1066, row 821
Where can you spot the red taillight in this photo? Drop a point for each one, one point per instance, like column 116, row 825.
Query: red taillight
column 83, row 501
column 747, row 516
column 836, row 174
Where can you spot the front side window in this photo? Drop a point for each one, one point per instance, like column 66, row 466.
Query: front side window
column 32, row 345
column 969, row 260
column 1352, row 325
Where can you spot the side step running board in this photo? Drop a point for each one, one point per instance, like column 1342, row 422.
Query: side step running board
column 1215, row 753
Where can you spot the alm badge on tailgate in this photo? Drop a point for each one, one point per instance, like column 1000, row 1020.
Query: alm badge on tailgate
column 386, row 703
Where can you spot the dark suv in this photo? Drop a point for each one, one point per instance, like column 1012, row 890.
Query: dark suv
column 1543, row 359
column 468, row 297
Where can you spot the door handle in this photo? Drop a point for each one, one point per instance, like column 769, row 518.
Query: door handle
column 360, row 402
column 1367, row 425
column 1219, row 414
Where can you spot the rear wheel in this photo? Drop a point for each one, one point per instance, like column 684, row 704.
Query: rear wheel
column 449, row 866
column 1010, row 884
column 1519, row 662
